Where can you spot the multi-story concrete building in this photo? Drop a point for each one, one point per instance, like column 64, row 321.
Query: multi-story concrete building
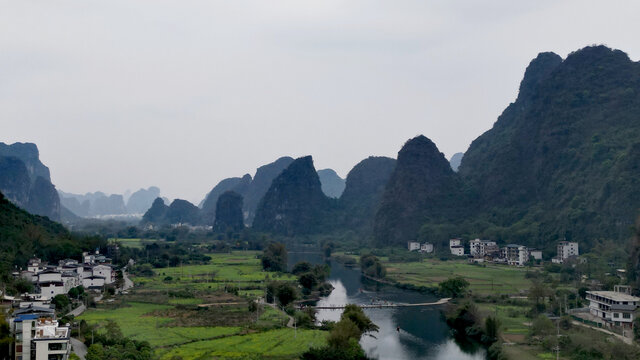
column 566, row 250
column 106, row 271
column 536, row 254
column 455, row 246
column 413, row 245
column 614, row 308
column 426, row 248
column 480, row 248
column 514, row 254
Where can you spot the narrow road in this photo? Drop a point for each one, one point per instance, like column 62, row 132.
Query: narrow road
column 291, row 320
column 77, row 311
column 128, row 284
column 625, row 339
column 79, row 348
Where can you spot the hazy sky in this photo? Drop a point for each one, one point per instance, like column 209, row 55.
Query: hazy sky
column 181, row 94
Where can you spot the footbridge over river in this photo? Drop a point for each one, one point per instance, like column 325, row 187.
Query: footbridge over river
column 383, row 305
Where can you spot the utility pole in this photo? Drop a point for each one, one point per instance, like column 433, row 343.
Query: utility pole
column 558, row 340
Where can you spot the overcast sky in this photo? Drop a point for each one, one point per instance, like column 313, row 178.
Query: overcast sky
column 181, row 94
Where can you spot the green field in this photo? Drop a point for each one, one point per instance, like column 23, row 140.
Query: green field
column 512, row 318
column 276, row 344
column 135, row 324
column 484, row 279
column 133, row 242
column 239, row 268
column 166, row 313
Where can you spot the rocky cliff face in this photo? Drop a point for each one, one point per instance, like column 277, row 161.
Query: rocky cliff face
column 295, row 203
column 238, row 185
column 422, row 187
column 362, row 195
column 26, row 182
column 156, row 213
column 183, row 212
column 566, row 154
column 229, row 213
column 260, row 185
column 332, row 184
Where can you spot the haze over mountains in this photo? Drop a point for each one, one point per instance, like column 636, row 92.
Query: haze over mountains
column 562, row 161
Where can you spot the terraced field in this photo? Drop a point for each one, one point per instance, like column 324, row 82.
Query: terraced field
column 182, row 311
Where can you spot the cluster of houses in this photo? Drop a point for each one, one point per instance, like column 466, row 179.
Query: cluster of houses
column 512, row 254
column 93, row 273
column 38, row 334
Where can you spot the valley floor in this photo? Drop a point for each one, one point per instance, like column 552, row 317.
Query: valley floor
column 185, row 312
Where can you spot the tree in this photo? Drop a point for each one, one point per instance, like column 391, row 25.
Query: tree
column 370, row 266
column 274, row 257
column 308, row 280
column 286, row 293
column 491, row 328
column 301, row 267
column 95, row 352
column 355, row 314
column 541, row 326
column 342, row 333
column 453, row 287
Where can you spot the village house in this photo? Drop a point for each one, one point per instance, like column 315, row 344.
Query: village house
column 516, row 255
column 614, row 308
column 480, row 248
column 566, row 250
column 423, row 248
column 456, row 247
column 38, row 336
column 413, row 245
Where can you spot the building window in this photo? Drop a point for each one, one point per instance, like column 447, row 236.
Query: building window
column 616, row 315
column 626, row 315
column 57, row 346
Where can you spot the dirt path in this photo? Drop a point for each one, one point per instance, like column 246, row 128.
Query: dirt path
column 625, row 339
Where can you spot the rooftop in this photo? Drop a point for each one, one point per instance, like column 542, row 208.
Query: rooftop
column 615, row 296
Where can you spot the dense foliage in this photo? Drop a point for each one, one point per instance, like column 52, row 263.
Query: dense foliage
column 344, row 336
column 274, row 257
column 371, row 266
column 23, row 235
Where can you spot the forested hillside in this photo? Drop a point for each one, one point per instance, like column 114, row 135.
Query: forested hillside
column 23, row 235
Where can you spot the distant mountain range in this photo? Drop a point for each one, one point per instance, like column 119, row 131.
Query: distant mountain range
column 100, row 204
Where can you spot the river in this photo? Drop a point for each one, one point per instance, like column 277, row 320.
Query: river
column 423, row 332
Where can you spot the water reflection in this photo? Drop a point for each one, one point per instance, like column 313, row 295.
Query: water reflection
column 423, row 333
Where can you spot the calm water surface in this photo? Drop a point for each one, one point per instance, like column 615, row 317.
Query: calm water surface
column 423, row 331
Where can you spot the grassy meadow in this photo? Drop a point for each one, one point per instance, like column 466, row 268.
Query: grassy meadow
column 185, row 312
column 484, row 279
